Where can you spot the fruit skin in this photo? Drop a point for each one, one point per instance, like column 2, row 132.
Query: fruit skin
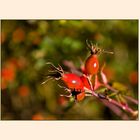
column 85, row 82
column 80, row 96
column 92, row 65
column 73, row 81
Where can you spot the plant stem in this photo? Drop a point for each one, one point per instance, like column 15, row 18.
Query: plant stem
column 131, row 99
column 117, row 110
column 126, row 108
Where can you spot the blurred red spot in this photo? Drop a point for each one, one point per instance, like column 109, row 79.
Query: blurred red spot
column 109, row 73
column 34, row 37
column 3, row 37
column 133, row 77
column 62, row 101
column 19, row 63
column 18, row 35
column 23, row 90
column 3, row 84
column 98, row 36
column 8, row 72
column 38, row 116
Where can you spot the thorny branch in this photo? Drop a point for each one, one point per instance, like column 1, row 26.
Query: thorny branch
column 117, row 107
column 112, row 101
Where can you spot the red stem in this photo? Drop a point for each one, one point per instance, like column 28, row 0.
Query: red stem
column 117, row 110
column 126, row 108
column 131, row 99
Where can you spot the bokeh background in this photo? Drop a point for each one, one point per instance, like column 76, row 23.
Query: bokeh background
column 26, row 46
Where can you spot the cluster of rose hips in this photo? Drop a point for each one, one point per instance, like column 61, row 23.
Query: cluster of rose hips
column 79, row 84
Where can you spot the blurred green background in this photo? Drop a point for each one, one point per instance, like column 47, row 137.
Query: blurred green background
column 26, row 46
